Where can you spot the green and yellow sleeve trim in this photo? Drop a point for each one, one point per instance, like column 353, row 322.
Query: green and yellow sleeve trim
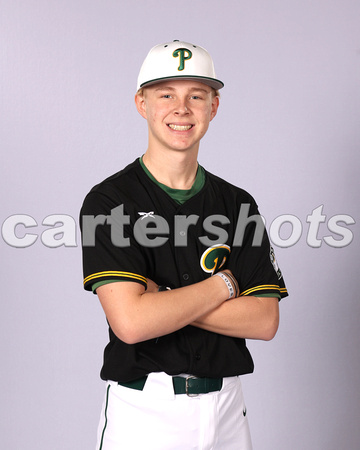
column 114, row 274
column 266, row 287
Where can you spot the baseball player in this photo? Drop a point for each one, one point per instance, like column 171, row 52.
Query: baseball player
column 184, row 271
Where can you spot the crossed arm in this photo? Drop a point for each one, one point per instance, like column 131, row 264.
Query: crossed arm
column 137, row 315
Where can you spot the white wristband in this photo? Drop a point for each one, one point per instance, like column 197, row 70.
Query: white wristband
column 227, row 282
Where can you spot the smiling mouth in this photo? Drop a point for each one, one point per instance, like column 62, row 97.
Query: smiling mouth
column 179, row 127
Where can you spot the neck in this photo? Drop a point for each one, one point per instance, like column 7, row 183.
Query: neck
column 176, row 170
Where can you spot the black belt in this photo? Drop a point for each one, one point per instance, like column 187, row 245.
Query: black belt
column 190, row 386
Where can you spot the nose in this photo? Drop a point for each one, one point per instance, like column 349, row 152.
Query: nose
column 181, row 107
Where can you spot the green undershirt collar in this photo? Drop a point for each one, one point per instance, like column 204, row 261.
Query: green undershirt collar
column 179, row 195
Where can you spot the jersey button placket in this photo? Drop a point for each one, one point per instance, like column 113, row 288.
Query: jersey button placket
column 181, row 249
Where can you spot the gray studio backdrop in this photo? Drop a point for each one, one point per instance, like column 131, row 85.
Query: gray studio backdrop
column 287, row 131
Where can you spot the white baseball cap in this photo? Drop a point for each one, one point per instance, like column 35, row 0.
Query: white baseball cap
column 177, row 59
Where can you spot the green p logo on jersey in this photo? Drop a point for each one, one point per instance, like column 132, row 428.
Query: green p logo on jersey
column 184, row 54
column 214, row 258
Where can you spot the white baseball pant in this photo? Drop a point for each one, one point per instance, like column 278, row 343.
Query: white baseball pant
column 157, row 419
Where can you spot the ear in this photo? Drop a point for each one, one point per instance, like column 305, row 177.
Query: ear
column 141, row 105
column 214, row 107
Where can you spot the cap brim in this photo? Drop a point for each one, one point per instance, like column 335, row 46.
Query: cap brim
column 212, row 82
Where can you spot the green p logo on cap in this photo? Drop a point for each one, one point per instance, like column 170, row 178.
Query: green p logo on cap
column 184, row 54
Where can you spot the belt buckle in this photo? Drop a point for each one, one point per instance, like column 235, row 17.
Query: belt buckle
column 187, row 386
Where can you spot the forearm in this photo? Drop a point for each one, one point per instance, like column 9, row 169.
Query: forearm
column 136, row 315
column 245, row 317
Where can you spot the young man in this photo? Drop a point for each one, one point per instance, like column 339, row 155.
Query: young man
column 184, row 271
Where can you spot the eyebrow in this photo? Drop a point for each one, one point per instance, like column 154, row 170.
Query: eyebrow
column 169, row 88
column 161, row 88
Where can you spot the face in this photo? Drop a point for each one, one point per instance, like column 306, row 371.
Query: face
column 178, row 113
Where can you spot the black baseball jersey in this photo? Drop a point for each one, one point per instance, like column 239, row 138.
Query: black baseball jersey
column 133, row 230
